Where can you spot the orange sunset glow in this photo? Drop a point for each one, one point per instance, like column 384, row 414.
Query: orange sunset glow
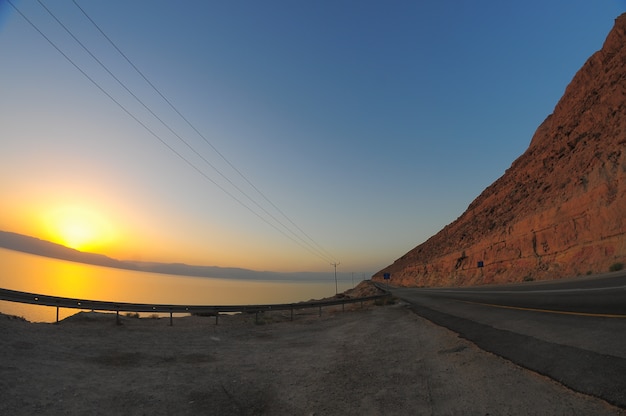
column 78, row 228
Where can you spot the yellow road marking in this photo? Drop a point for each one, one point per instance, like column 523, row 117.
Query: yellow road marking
column 597, row 315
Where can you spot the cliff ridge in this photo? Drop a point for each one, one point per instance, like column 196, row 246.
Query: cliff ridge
column 558, row 211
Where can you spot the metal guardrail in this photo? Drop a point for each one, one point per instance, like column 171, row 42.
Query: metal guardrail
column 117, row 307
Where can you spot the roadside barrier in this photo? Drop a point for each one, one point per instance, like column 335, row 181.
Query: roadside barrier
column 117, row 307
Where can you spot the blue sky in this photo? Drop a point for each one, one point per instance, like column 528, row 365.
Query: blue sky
column 370, row 124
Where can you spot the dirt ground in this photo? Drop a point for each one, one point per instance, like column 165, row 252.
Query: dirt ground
column 379, row 360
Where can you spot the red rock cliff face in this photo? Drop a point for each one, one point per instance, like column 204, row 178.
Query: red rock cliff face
column 560, row 209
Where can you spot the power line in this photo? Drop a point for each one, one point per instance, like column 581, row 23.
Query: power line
column 193, row 127
column 167, row 126
column 178, row 154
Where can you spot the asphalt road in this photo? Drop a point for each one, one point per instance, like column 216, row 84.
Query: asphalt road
column 572, row 330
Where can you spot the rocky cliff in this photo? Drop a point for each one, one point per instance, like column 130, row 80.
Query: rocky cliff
column 560, row 209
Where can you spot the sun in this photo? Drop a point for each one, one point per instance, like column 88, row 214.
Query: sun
column 78, row 228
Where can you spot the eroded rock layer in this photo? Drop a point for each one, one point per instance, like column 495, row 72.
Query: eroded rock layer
column 560, row 209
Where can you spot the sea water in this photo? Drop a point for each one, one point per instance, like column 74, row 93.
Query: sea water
column 47, row 276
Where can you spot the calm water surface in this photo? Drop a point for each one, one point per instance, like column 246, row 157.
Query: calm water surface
column 46, row 276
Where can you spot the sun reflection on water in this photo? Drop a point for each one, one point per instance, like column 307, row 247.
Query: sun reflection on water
column 35, row 274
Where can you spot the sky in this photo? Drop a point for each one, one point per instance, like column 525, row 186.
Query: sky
column 295, row 135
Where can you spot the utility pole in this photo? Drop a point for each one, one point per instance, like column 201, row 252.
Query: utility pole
column 336, row 288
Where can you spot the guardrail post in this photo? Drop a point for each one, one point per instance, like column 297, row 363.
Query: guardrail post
column 57, row 314
column 117, row 317
column 171, row 320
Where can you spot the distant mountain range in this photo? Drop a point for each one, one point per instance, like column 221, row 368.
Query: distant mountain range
column 32, row 245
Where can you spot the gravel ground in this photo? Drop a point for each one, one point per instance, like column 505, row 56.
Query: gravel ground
column 379, row 360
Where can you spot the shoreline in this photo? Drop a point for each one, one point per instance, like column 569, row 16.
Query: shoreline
column 19, row 304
